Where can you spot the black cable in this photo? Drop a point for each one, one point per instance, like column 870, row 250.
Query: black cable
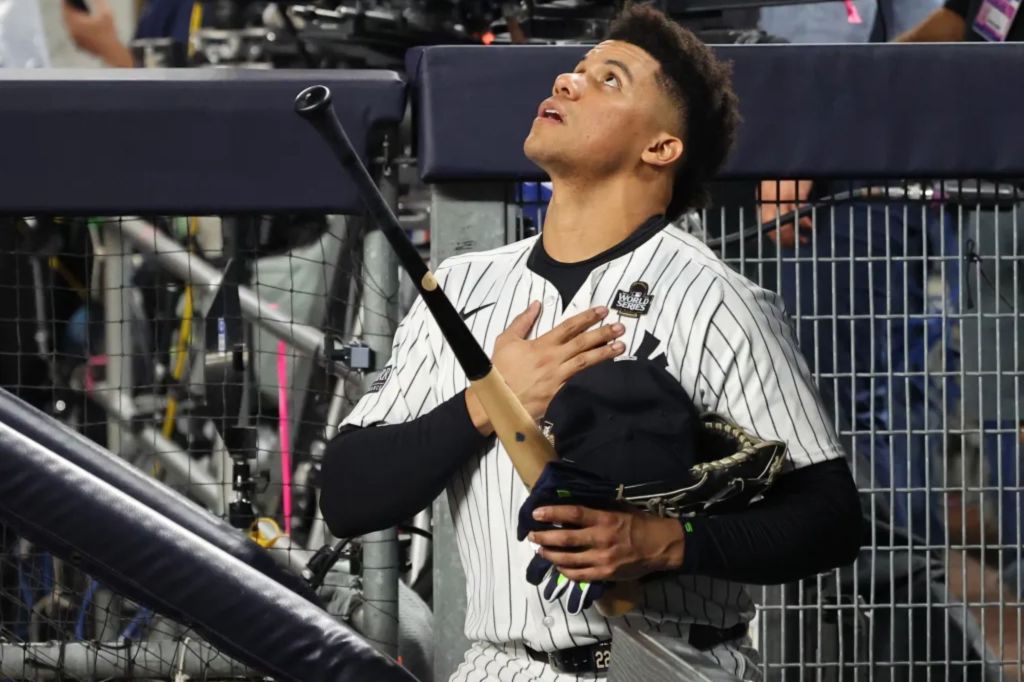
column 970, row 257
column 413, row 530
column 323, row 561
column 790, row 216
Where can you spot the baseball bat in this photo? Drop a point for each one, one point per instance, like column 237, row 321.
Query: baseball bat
column 526, row 446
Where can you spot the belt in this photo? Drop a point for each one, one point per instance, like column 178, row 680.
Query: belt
column 595, row 658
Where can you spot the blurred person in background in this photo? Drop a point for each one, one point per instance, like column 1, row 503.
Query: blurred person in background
column 992, row 325
column 898, row 289
column 95, row 31
column 886, row 415
column 842, row 336
column 968, row 20
column 980, row 246
column 857, row 290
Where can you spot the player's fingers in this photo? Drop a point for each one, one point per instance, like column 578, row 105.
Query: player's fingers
column 592, row 339
column 523, row 322
column 785, row 214
column 784, row 236
column 767, row 213
column 563, row 560
column 561, row 538
column 578, row 363
column 575, row 325
column 568, row 514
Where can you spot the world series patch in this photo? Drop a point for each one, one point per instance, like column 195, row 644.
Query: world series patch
column 635, row 302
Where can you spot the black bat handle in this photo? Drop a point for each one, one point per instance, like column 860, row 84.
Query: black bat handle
column 314, row 105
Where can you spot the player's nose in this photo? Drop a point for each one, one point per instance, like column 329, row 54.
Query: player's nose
column 567, row 85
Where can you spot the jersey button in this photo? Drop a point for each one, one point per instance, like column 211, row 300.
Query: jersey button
column 549, row 301
column 548, row 621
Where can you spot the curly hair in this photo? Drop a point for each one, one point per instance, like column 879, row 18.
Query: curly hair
column 701, row 87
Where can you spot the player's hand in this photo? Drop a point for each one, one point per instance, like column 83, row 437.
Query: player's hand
column 778, row 197
column 608, row 545
column 535, row 369
column 95, row 32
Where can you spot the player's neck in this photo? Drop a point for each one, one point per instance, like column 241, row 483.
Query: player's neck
column 584, row 219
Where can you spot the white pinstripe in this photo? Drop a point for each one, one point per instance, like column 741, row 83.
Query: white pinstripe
column 727, row 342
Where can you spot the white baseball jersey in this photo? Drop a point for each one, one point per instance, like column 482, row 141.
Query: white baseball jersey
column 727, row 342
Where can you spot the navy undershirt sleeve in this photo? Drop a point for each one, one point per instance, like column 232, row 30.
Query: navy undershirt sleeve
column 379, row 476
column 809, row 523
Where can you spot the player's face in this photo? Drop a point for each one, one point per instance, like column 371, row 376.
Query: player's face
column 601, row 117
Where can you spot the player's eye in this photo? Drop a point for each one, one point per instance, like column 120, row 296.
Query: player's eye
column 612, row 80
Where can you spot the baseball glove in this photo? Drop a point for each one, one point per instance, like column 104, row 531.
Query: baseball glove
column 735, row 468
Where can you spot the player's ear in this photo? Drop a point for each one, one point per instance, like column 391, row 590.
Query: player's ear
column 664, row 149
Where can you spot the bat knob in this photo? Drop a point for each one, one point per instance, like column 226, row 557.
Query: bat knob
column 313, row 100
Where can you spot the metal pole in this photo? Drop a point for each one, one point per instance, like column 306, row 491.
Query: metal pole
column 472, row 216
column 419, row 546
column 202, row 485
column 379, row 315
column 107, row 615
column 117, row 325
column 319, row 534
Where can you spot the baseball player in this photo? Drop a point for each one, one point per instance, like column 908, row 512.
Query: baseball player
column 628, row 137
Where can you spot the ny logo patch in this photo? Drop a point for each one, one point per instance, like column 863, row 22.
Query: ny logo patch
column 381, row 380
column 635, row 302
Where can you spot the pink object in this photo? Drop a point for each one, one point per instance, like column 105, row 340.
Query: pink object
column 284, row 434
column 852, row 15
column 90, row 380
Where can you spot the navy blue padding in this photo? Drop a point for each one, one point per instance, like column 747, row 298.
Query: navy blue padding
column 809, row 110
column 82, row 452
column 136, row 551
column 180, row 141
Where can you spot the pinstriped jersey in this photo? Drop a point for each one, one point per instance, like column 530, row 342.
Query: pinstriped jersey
column 727, row 341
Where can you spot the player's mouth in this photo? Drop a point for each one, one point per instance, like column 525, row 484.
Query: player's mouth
column 548, row 111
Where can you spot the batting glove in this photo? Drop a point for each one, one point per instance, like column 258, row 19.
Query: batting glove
column 581, row 595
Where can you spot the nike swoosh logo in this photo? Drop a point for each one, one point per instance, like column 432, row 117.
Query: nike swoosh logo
column 466, row 314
